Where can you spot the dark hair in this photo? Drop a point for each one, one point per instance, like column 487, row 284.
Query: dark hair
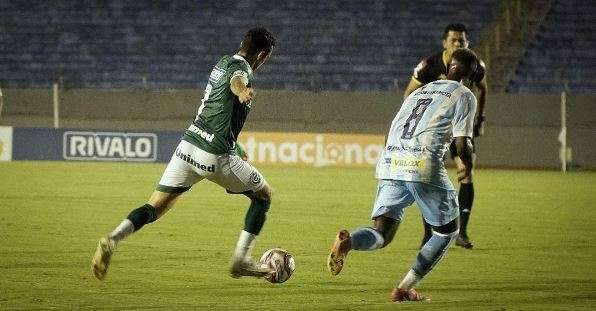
column 454, row 27
column 467, row 58
column 258, row 39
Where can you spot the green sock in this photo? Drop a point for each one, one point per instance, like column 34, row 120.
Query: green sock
column 256, row 215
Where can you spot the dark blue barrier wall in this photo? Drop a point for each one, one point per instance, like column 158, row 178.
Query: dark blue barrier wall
column 93, row 145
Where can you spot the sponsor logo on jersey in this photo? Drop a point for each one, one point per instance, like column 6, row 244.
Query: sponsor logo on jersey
column 216, row 74
column 407, row 164
column 203, row 134
column 423, row 91
column 109, row 146
column 188, row 159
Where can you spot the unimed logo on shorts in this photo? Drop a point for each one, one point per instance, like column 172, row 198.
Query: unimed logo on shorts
column 110, row 146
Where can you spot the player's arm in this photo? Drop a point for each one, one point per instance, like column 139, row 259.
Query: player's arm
column 239, row 86
column 464, row 148
column 463, row 130
column 482, row 92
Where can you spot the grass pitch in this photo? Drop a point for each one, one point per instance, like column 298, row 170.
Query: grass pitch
column 533, row 231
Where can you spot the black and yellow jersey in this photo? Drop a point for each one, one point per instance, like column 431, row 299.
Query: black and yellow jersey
column 435, row 68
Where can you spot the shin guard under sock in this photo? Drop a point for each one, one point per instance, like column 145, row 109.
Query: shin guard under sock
column 256, row 215
column 142, row 216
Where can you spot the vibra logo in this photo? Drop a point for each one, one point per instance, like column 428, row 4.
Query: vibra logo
column 108, row 146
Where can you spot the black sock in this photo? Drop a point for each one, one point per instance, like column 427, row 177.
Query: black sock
column 465, row 199
column 142, row 216
column 256, row 215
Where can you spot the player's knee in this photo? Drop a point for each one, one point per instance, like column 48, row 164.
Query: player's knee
column 469, row 179
column 264, row 194
column 262, row 198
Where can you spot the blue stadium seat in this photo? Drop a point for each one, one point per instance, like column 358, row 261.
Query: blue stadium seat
column 331, row 45
column 562, row 53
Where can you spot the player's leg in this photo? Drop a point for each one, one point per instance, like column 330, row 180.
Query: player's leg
column 466, row 200
column 158, row 204
column 428, row 232
column 391, row 200
column 177, row 178
column 242, row 262
column 439, row 208
column 239, row 177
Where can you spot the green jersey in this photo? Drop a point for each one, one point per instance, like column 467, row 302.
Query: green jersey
column 221, row 116
column 239, row 150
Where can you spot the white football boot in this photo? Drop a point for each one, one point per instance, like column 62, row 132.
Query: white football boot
column 247, row 267
column 102, row 256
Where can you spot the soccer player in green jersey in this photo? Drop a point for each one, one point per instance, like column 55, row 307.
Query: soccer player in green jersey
column 206, row 151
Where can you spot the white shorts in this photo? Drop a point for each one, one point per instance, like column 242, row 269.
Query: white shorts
column 191, row 164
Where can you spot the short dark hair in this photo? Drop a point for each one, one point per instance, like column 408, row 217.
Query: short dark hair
column 455, row 27
column 467, row 58
column 258, row 39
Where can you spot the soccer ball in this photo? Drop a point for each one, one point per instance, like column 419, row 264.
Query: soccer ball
column 281, row 261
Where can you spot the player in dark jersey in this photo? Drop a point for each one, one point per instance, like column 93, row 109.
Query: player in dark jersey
column 208, row 151
column 435, row 68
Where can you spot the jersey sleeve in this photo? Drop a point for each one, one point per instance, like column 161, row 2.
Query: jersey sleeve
column 463, row 120
column 239, row 69
column 422, row 72
column 239, row 150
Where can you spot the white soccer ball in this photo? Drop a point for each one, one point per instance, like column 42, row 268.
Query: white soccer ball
column 281, row 261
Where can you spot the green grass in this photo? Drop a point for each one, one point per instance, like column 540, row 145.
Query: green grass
column 534, row 233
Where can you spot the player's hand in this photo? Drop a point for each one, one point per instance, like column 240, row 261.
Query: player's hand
column 247, row 95
column 464, row 173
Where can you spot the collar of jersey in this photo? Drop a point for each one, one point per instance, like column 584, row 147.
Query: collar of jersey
column 236, row 56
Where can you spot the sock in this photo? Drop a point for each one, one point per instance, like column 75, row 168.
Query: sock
column 123, row 230
column 430, row 254
column 142, row 216
column 246, row 242
column 256, row 215
column 366, row 239
column 465, row 199
column 410, row 280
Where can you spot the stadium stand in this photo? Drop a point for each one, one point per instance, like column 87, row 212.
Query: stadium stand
column 562, row 52
column 322, row 45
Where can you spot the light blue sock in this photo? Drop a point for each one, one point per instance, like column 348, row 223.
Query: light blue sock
column 432, row 252
column 366, row 239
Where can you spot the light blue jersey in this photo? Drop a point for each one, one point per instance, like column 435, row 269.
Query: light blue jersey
column 422, row 130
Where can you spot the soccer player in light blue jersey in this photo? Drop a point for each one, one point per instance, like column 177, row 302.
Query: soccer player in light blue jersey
column 411, row 169
column 435, row 68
